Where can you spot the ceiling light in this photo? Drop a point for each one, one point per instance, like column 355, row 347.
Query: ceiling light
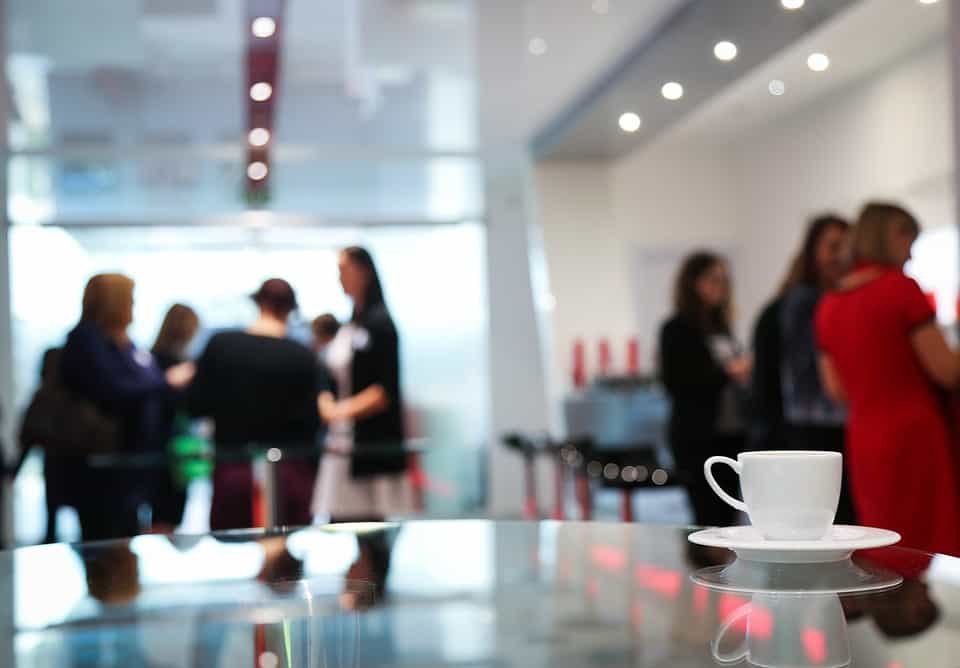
column 259, row 137
column 263, row 26
column 725, row 51
column 672, row 90
column 601, row 6
column 257, row 171
column 927, row 2
column 261, row 91
column 630, row 122
column 792, row 4
column 777, row 87
column 818, row 62
column 538, row 46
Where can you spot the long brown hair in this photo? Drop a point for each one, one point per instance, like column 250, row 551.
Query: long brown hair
column 107, row 299
column 875, row 226
column 179, row 326
column 687, row 301
column 803, row 269
column 374, row 290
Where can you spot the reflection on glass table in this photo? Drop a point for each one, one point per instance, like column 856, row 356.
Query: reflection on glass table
column 469, row 593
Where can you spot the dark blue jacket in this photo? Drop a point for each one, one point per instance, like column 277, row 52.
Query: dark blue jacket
column 123, row 382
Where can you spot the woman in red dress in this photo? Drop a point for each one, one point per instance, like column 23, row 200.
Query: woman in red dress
column 883, row 354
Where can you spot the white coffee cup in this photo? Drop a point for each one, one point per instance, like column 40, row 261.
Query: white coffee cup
column 789, row 495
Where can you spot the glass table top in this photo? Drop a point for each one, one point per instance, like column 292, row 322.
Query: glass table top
column 469, row 593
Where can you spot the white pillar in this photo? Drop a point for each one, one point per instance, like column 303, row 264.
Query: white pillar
column 514, row 253
column 517, row 380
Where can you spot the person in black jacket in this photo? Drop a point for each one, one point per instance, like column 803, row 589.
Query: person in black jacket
column 362, row 473
column 706, row 374
column 791, row 411
column 260, row 388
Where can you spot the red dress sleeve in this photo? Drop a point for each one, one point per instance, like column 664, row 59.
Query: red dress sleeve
column 915, row 310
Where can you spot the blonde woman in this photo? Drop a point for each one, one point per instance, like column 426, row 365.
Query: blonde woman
column 100, row 364
column 883, row 355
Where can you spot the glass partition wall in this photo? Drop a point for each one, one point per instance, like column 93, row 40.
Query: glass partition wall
column 131, row 150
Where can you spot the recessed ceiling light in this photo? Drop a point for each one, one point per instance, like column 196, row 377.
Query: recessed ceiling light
column 601, row 6
column 672, row 90
column 259, row 137
column 257, row 171
column 725, row 51
column 261, row 91
column 927, row 2
column 792, row 4
column 630, row 122
column 777, row 87
column 538, row 46
column 818, row 62
column 263, row 26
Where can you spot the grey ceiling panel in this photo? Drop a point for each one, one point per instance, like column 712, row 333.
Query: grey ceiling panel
column 681, row 50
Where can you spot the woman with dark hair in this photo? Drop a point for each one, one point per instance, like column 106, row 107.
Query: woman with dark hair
column 883, row 355
column 367, row 412
column 260, row 388
column 706, row 374
column 180, row 325
column 791, row 410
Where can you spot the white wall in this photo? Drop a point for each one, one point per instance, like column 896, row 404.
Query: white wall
column 615, row 233
column 889, row 137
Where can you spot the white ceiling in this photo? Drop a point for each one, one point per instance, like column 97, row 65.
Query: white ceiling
column 868, row 37
column 582, row 45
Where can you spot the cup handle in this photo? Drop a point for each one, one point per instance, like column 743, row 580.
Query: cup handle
column 741, row 654
column 735, row 465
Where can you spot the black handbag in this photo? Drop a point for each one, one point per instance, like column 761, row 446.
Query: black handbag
column 64, row 424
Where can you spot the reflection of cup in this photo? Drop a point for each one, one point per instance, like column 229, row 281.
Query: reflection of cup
column 795, row 631
column 788, row 495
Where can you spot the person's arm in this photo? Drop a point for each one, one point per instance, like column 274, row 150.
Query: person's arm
column 371, row 401
column 939, row 362
column 831, row 380
column 920, row 320
column 87, row 362
column 378, row 396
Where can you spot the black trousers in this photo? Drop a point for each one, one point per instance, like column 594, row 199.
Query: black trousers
column 708, row 508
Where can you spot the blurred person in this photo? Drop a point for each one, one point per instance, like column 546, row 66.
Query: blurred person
column 791, row 410
column 112, row 574
column 260, row 388
column 706, row 374
column 100, row 364
column 883, row 355
column 367, row 411
column 178, row 329
column 59, row 490
column 324, row 328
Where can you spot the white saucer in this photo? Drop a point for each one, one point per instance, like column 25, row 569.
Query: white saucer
column 835, row 577
column 839, row 543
